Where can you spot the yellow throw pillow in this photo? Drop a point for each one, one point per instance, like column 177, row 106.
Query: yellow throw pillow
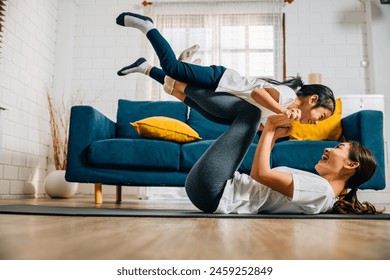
column 165, row 128
column 328, row 129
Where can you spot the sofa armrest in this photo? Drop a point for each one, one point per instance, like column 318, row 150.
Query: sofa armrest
column 366, row 127
column 87, row 125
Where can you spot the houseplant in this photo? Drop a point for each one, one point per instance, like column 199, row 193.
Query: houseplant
column 59, row 112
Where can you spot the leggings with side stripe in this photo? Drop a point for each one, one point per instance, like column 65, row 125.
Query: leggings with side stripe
column 206, row 180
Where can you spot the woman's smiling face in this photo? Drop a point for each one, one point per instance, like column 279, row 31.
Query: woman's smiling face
column 333, row 159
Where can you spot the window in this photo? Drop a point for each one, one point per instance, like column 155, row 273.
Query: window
column 248, row 46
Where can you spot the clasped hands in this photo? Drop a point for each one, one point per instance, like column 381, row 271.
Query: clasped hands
column 281, row 124
column 293, row 114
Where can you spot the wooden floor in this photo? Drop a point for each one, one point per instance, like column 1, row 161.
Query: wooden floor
column 94, row 238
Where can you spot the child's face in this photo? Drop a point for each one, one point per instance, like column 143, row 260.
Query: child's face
column 311, row 115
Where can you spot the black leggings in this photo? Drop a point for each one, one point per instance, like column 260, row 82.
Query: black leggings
column 206, row 180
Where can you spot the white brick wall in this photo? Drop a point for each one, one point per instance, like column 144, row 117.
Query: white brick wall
column 26, row 69
column 101, row 49
column 328, row 37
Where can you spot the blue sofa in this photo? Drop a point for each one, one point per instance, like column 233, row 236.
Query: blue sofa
column 101, row 151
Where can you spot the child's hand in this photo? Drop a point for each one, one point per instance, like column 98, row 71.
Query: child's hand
column 293, row 114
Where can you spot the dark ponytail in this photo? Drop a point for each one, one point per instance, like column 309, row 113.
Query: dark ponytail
column 295, row 83
column 349, row 204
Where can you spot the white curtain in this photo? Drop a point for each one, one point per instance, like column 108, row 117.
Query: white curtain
column 243, row 35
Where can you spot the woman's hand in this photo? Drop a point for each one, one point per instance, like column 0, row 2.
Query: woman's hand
column 280, row 124
column 278, row 120
column 282, row 131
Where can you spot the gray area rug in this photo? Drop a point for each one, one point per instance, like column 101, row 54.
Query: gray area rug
column 25, row 209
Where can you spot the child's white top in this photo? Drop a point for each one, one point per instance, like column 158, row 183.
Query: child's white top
column 312, row 195
column 232, row 82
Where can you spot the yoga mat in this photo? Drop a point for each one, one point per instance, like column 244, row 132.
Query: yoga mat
column 25, row 209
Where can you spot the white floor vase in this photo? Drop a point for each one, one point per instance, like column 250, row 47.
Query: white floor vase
column 57, row 187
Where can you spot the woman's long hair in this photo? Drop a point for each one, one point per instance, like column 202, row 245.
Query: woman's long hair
column 349, row 203
column 325, row 94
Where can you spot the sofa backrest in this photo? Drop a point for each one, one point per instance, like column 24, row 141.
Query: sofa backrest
column 205, row 128
column 131, row 111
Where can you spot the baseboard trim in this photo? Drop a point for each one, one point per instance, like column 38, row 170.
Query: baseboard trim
column 382, row 197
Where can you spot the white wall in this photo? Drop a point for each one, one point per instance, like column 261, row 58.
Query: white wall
column 328, row 37
column 102, row 48
column 26, row 69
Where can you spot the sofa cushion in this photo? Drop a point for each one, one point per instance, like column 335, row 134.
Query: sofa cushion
column 328, row 129
column 135, row 153
column 302, row 155
column 165, row 129
column 131, row 111
column 191, row 152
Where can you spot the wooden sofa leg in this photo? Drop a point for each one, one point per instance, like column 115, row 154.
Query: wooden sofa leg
column 118, row 194
column 98, row 193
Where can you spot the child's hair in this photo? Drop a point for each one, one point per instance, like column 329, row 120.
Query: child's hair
column 349, row 203
column 325, row 94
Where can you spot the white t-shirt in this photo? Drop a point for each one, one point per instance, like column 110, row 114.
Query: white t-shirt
column 312, row 195
column 232, row 82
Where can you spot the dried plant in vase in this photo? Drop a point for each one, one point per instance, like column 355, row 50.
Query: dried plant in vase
column 59, row 112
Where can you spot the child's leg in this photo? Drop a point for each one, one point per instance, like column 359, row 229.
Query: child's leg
column 142, row 66
column 206, row 181
column 157, row 74
column 200, row 76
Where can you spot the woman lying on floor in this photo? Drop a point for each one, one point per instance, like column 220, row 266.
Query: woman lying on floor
column 214, row 185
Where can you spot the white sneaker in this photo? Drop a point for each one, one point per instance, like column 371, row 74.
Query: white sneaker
column 197, row 61
column 187, row 54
